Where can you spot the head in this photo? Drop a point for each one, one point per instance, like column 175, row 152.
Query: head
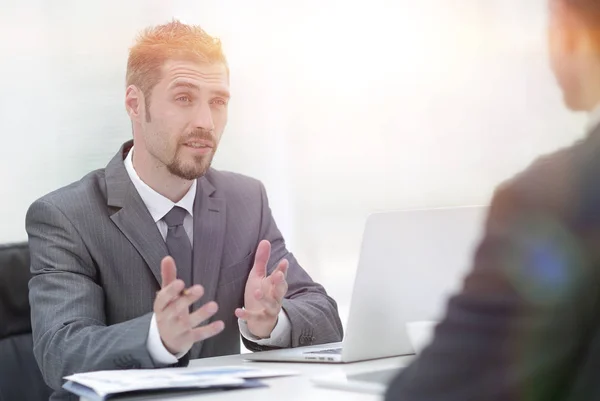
column 574, row 43
column 177, row 97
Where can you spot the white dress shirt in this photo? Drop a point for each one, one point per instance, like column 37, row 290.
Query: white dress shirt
column 159, row 206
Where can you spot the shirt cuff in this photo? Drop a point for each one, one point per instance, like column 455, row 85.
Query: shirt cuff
column 281, row 336
column 156, row 348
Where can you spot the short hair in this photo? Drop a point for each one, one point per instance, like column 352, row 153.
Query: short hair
column 173, row 40
column 588, row 10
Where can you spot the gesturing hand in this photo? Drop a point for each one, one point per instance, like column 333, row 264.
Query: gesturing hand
column 263, row 295
column 176, row 325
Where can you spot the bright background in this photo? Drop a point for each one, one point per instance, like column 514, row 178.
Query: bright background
column 341, row 108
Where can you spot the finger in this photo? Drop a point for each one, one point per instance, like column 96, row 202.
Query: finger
column 273, row 284
column 168, row 271
column 181, row 305
column 247, row 315
column 262, row 258
column 282, row 267
column 203, row 314
column 240, row 314
column 168, row 295
column 279, row 291
column 276, row 278
column 210, row 330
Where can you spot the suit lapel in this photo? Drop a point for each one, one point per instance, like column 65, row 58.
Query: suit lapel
column 136, row 223
column 209, row 234
column 132, row 217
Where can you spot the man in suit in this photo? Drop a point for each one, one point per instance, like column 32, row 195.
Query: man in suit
column 158, row 258
column 526, row 324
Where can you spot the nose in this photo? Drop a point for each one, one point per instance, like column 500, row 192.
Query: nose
column 203, row 118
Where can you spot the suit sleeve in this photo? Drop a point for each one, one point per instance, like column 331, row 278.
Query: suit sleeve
column 70, row 334
column 514, row 332
column 312, row 313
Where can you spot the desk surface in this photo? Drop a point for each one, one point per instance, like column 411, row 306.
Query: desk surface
column 287, row 388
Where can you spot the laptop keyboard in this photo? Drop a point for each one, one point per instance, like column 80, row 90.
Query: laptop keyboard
column 333, row 351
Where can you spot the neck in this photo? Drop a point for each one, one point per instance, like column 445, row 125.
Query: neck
column 157, row 176
column 592, row 101
column 590, row 86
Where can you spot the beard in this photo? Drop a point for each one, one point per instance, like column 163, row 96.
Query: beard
column 199, row 165
column 190, row 171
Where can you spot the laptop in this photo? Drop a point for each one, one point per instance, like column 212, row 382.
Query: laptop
column 410, row 263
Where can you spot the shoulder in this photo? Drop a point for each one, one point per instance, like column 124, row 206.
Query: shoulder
column 76, row 197
column 556, row 184
column 229, row 184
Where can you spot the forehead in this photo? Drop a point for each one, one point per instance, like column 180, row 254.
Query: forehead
column 211, row 76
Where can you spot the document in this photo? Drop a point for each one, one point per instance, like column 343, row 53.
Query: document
column 101, row 385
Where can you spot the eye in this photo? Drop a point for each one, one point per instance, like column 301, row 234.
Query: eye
column 183, row 99
column 219, row 102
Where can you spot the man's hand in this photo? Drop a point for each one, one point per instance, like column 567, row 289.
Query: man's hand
column 263, row 295
column 176, row 325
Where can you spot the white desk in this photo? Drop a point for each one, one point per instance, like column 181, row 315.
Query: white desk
column 292, row 388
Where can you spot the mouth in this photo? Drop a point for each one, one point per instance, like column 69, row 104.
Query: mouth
column 199, row 147
column 199, row 144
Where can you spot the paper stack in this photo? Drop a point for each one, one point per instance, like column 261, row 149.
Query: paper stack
column 102, row 385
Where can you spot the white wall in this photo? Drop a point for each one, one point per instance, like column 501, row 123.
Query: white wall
column 341, row 108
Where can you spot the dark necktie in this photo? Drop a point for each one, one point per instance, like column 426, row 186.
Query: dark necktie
column 178, row 244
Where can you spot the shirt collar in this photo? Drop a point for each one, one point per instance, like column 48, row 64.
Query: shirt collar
column 157, row 204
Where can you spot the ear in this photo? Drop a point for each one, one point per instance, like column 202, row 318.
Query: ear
column 134, row 103
column 566, row 29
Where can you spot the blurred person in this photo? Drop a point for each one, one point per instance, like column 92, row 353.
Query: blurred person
column 526, row 324
column 159, row 258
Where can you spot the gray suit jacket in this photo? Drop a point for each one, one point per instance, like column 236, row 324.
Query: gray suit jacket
column 95, row 259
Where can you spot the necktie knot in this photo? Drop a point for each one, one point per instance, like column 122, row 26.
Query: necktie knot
column 175, row 216
column 178, row 244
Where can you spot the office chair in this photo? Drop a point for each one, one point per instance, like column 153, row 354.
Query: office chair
column 20, row 377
